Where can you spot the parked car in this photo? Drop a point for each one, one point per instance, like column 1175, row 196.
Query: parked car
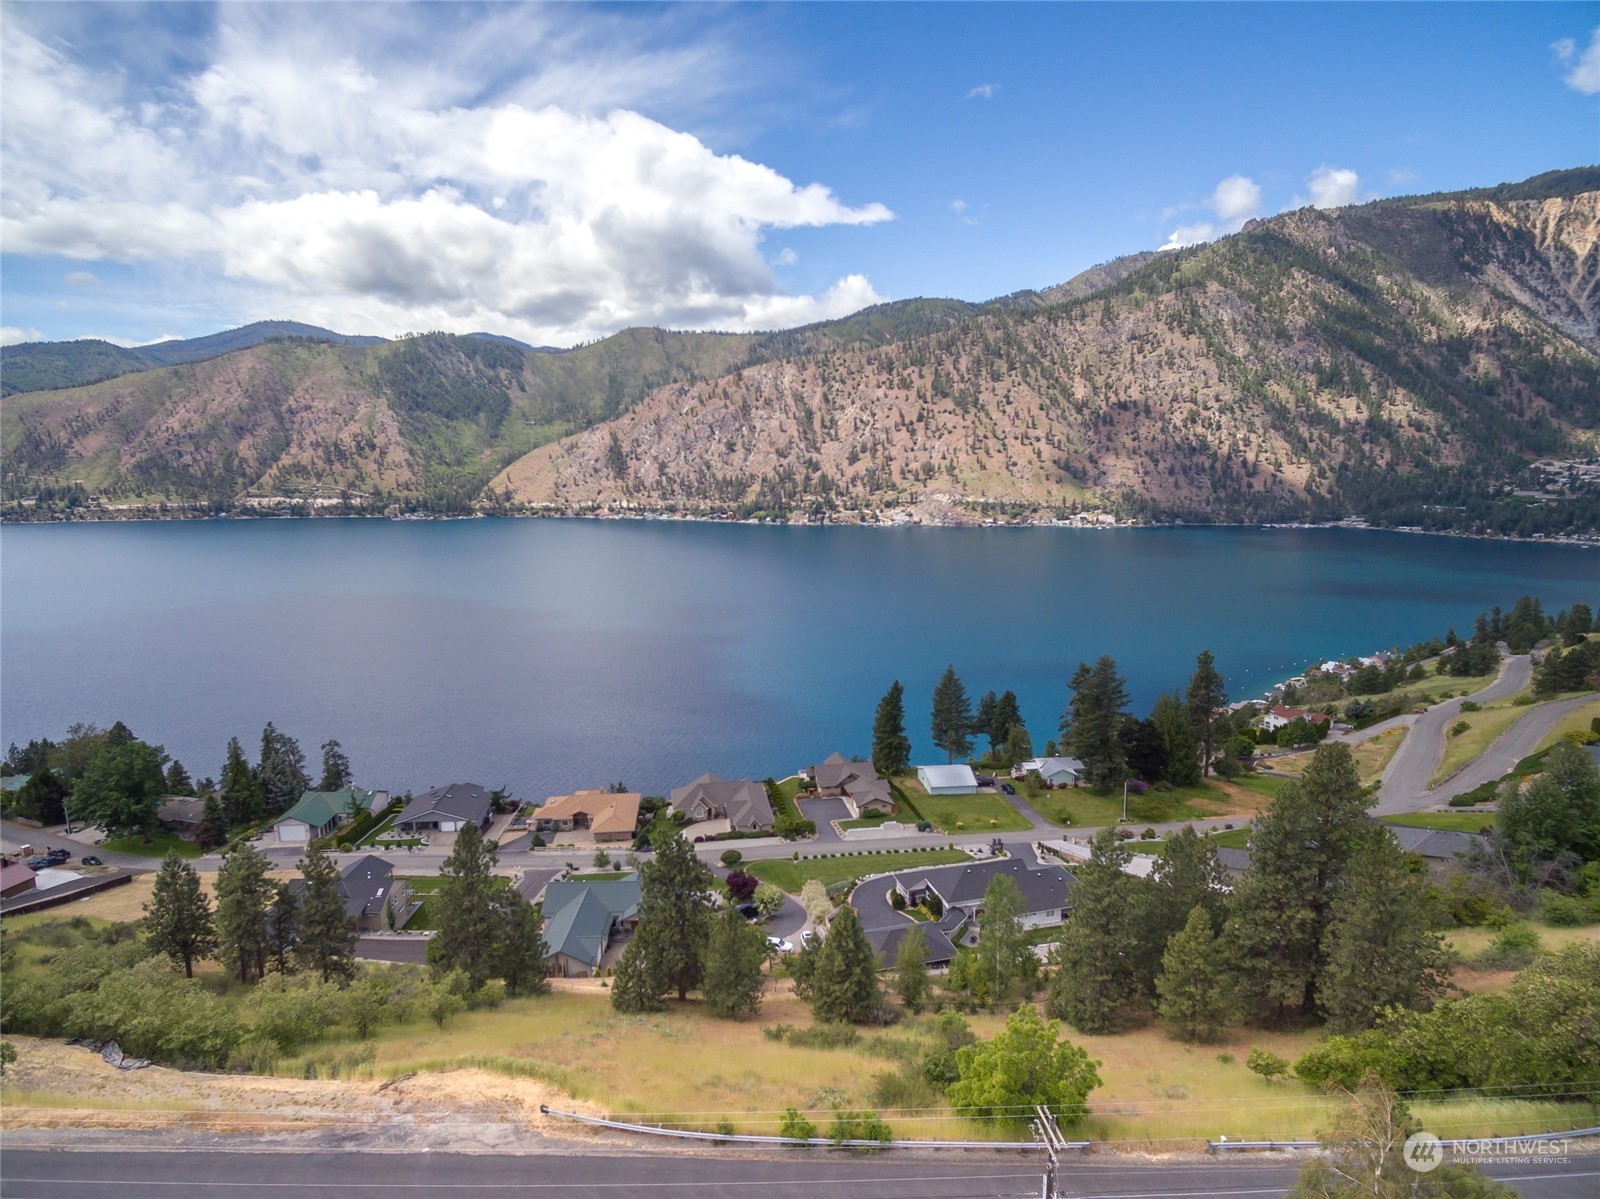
column 749, row 911
column 1008, row 788
column 779, row 944
column 59, row 855
column 985, row 780
column 808, row 938
column 38, row 862
column 89, row 859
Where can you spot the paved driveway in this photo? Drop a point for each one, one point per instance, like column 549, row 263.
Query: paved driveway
column 823, row 810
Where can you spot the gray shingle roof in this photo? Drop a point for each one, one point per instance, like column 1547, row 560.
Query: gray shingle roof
column 743, row 800
column 466, row 802
column 885, row 943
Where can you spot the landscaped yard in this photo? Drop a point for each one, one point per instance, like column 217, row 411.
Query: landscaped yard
column 157, row 845
column 845, row 867
column 957, row 813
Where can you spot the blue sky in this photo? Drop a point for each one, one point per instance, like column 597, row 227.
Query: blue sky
column 558, row 172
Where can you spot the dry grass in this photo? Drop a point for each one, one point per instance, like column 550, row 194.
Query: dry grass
column 1371, row 756
column 1483, row 727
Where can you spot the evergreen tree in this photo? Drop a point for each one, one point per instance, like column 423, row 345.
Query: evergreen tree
column 1096, row 979
column 520, row 951
column 43, row 797
column 283, row 927
column 240, row 799
column 1557, row 813
column 891, row 750
column 1188, row 874
column 674, row 921
column 1092, row 725
column 177, row 920
column 1146, row 750
column 464, row 909
column 178, row 782
column 243, row 893
column 1299, row 851
column 1018, row 747
column 281, row 773
column 983, row 720
column 844, row 984
column 634, row 985
column 327, row 934
column 1205, row 699
column 213, row 830
column 911, row 981
column 1183, row 752
column 734, row 954
column 335, row 768
column 1007, row 717
column 1194, row 987
column 952, row 715
column 121, row 788
column 1379, row 951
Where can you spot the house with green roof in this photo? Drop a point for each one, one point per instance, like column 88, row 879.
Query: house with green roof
column 583, row 920
column 319, row 813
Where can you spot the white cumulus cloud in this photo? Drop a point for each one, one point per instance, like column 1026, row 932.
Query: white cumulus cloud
column 984, row 91
column 1583, row 66
column 379, row 184
column 1234, row 201
column 11, row 335
column 1333, row 187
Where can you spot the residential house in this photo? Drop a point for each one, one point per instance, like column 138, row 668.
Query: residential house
column 319, row 813
column 956, row 779
column 743, row 803
column 960, row 889
column 374, row 899
column 181, row 814
column 856, row 782
column 1278, row 715
column 1056, row 772
column 605, row 815
column 582, row 920
column 446, row 809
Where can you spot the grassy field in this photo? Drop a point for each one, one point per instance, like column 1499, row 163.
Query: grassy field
column 957, row 813
column 1086, row 807
column 1459, row 822
column 157, row 845
column 1483, row 727
column 1468, row 941
column 792, row 875
column 1371, row 756
column 1576, row 721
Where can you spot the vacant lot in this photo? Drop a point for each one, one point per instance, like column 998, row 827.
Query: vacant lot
column 1371, row 756
column 958, row 813
column 1091, row 808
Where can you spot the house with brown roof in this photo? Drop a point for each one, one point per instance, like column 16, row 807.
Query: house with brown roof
column 605, row 815
column 856, row 782
column 742, row 803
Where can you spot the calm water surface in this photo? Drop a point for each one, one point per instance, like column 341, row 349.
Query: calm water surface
column 548, row 655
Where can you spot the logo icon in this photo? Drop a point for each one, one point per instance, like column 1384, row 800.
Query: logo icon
column 1423, row 1152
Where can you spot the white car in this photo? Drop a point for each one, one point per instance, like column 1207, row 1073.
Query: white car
column 779, row 944
column 808, row 938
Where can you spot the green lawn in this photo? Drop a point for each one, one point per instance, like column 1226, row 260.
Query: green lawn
column 1084, row 806
column 157, row 845
column 1459, row 822
column 791, row 875
column 1234, row 838
column 974, row 813
column 1261, row 784
column 787, row 790
column 599, row 876
column 378, row 830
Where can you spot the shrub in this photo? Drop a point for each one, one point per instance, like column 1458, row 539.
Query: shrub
column 795, row 1126
column 858, row 1126
column 1265, row 1063
column 1459, row 727
column 1225, row 1058
column 1566, row 911
column 824, row 1036
column 731, row 857
column 896, row 900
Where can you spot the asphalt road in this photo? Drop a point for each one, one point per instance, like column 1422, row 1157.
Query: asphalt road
column 54, row 1174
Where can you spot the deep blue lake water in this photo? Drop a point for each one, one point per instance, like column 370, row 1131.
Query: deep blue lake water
column 548, row 655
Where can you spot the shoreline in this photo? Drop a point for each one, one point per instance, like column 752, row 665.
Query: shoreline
column 1097, row 522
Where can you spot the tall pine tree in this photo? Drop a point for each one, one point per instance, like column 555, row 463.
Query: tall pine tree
column 734, row 955
column 240, row 798
column 327, row 934
column 911, row 970
column 891, row 750
column 1194, row 985
column 243, row 894
column 952, row 716
column 520, row 951
column 1206, row 697
column 674, row 921
column 177, row 920
column 1097, row 977
column 1092, row 726
column 465, row 909
column 844, row 983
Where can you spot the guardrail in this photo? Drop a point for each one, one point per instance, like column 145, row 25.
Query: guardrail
column 1223, row 1145
column 656, row 1130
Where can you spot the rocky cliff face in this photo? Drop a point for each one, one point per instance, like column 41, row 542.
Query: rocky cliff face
column 1305, row 367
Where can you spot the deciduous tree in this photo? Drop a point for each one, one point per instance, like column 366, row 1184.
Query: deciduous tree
column 1022, row 1067
column 121, row 788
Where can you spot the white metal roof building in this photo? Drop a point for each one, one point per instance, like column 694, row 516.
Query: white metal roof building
column 948, row 780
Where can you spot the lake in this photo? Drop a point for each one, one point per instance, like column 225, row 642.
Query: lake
column 549, row 655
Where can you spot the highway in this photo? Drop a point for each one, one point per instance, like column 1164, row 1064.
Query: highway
column 55, row 1174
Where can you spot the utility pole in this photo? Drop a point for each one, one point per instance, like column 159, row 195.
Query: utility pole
column 1047, row 1131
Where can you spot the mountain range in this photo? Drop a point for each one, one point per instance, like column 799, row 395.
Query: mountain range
column 1409, row 361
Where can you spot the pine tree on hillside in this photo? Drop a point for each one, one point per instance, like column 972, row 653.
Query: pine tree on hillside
column 674, row 921
column 327, row 941
column 952, row 716
column 177, row 920
column 1195, row 989
column 891, row 750
column 844, row 984
column 911, row 970
column 734, row 955
column 335, row 768
column 464, row 909
column 1097, row 980
column 1379, row 950
column 241, row 800
column 1092, row 725
column 243, row 894
column 519, row 951
column 1300, row 850
column 1183, row 751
